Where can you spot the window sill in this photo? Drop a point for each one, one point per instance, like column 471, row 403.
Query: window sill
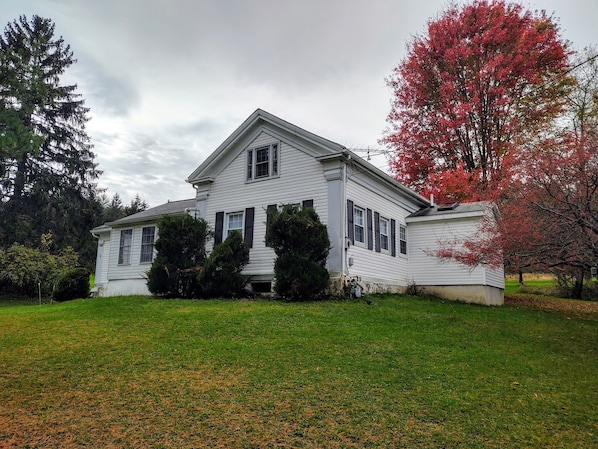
column 265, row 178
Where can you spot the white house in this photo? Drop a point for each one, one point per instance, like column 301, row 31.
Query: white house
column 381, row 232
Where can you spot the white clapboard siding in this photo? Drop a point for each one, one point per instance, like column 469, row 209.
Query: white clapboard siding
column 300, row 178
column 102, row 272
column 134, row 270
column 426, row 269
column 369, row 264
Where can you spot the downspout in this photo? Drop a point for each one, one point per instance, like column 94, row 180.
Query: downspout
column 344, row 264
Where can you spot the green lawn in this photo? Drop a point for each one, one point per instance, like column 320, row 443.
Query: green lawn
column 406, row 372
column 534, row 286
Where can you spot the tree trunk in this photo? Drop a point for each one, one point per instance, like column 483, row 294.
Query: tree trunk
column 578, row 286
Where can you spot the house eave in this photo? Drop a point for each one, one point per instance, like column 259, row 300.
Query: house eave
column 445, row 217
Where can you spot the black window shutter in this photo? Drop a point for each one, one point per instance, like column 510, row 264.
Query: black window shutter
column 377, row 230
column 393, row 238
column 218, row 228
column 308, row 203
column 370, row 233
column 270, row 210
column 249, row 218
column 350, row 227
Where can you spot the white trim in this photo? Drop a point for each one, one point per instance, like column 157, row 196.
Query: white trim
column 273, row 162
column 121, row 247
column 363, row 225
column 387, row 235
column 226, row 229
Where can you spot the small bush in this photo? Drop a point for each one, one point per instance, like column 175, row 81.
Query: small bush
column 73, row 285
column 412, row 289
column 221, row 276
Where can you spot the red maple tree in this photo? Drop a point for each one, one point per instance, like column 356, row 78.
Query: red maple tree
column 549, row 212
column 470, row 97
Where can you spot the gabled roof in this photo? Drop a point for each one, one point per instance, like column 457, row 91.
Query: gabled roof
column 320, row 148
column 152, row 214
column 257, row 122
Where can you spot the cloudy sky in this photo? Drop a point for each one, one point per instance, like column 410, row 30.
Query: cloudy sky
column 168, row 80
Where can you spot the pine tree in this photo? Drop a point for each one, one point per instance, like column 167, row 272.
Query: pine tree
column 300, row 241
column 47, row 171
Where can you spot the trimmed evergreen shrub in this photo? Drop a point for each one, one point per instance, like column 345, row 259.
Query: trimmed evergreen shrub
column 301, row 244
column 221, row 275
column 181, row 252
column 73, row 285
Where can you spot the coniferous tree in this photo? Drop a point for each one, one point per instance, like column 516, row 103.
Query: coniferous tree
column 47, row 171
column 181, row 248
column 300, row 241
column 221, row 275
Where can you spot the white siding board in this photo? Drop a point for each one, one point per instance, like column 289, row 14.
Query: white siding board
column 425, row 269
column 105, row 260
column 369, row 264
column 134, row 270
column 300, row 178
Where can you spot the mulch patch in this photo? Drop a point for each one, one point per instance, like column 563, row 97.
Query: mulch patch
column 577, row 307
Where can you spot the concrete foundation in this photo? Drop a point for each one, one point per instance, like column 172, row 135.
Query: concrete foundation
column 476, row 294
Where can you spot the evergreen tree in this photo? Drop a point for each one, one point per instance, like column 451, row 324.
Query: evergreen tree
column 300, row 241
column 181, row 248
column 47, row 171
column 137, row 205
column 221, row 275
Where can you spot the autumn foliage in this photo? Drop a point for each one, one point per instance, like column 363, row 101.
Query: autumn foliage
column 470, row 96
column 487, row 106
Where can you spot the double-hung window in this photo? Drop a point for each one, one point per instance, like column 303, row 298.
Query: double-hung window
column 359, row 224
column 262, row 162
column 234, row 222
column 402, row 239
column 384, row 234
column 147, row 244
column 124, row 248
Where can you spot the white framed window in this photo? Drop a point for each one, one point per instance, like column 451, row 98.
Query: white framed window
column 384, row 246
column 148, row 234
column 234, row 222
column 359, row 224
column 124, row 248
column 262, row 162
column 402, row 239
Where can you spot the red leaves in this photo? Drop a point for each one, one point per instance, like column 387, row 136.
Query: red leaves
column 459, row 98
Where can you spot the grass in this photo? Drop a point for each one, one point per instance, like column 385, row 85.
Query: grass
column 532, row 286
column 402, row 372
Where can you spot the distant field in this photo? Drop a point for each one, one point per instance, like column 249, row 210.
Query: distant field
column 403, row 372
column 538, row 286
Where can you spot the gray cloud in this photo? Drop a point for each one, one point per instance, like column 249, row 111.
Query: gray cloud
column 168, row 81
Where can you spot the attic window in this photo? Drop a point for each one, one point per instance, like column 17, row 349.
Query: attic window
column 262, row 162
column 447, row 206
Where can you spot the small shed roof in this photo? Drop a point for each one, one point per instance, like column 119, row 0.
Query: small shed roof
column 155, row 213
column 453, row 210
